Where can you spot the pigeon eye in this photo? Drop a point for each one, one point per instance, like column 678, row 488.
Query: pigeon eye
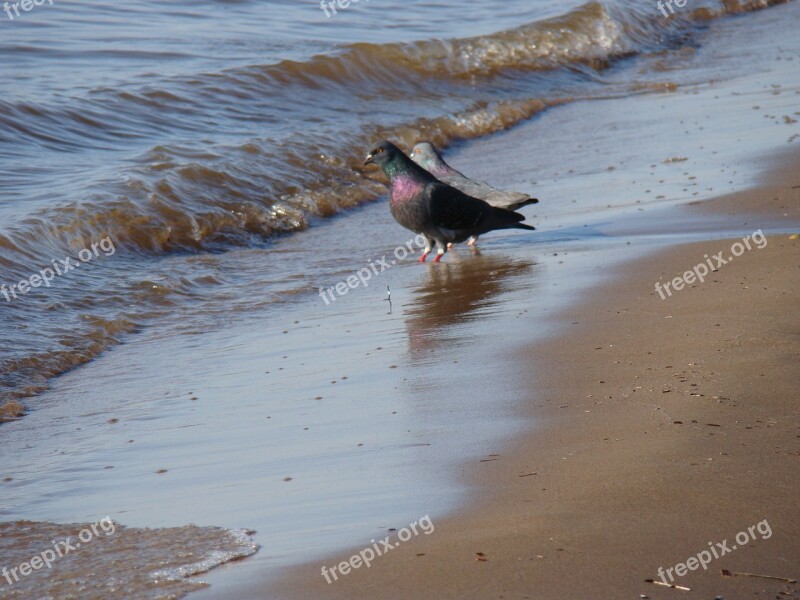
column 379, row 150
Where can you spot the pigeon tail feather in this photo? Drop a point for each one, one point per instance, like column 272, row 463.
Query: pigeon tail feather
column 522, row 226
column 501, row 218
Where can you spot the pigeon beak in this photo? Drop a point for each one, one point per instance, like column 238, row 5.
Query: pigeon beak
column 369, row 159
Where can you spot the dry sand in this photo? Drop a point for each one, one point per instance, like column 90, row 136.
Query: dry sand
column 668, row 424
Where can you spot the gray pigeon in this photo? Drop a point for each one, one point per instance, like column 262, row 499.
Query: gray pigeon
column 426, row 156
column 427, row 206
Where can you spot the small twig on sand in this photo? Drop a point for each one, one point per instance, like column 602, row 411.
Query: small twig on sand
column 727, row 573
column 669, row 585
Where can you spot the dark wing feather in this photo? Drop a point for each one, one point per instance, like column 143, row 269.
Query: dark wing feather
column 452, row 209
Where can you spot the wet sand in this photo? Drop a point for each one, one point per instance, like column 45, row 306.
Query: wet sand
column 664, row 425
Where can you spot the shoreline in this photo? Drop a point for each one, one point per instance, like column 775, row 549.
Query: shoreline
column 679, row 414
column 319, row 426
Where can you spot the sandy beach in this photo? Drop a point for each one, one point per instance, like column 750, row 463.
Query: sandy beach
column 666, row 425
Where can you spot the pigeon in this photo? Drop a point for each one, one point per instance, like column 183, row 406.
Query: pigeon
column 436, row 210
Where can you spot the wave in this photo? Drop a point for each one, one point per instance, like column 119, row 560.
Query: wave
column 593, row 34
column 121, row 561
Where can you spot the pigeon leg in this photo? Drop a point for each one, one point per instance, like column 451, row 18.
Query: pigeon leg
column 428, row 245
column 441, row 249
column 472, row 241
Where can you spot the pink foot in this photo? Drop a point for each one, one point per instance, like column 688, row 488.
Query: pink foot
column 438, row 258
column 423, row 257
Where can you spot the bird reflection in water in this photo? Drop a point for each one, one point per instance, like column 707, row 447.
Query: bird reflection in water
column 459, row 291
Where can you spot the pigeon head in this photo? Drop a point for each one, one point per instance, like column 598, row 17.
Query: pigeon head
column 384, row 154
column 395, row 163
column 427, row 157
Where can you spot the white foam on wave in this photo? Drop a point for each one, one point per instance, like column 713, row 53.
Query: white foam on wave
column 243, row 546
